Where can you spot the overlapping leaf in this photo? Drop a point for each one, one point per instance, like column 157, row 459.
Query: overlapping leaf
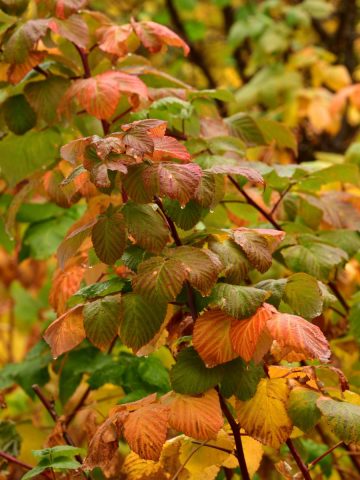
column 109, row 236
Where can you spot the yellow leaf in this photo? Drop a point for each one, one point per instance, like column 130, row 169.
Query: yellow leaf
column 264, row 416
column 253, row 451
column 135, row 468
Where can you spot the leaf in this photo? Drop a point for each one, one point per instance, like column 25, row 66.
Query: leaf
column 169, row 147
column 73, row 28
column 190, row 376
column 264, row 417
column 145, row 430
column 278, row 132
column 159, row 278
column 238, row 301
column 250, row 174
column 257, row 246
column 202, row 266
column 100, row 289
column 18, row 114
column 211, row 338
column 342, row 417
column 198, row 417
column 101, row 321
column 142, row 219
column 10, row 440
column 109, row 236
column 44, row 96
column 277, row 289
column 64, row 8
column 302, row 408
column 249, row 337
column 17, row 71
column 303, row 294
column 140, row 320
column 154, row 36
column 244, row 126
column 233, row 258
column 71, row 244
column 18, row 46
column 114, row 39
column 241, row 379
column 65, row 283
column 66, row 332
column 184, row 217
column 31, row 152
column 100, row 94
column 178, row 182
column 293, row 333
column 210, row 190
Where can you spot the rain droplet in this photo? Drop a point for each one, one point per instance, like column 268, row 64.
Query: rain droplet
column 211, row 211
column 182, row 207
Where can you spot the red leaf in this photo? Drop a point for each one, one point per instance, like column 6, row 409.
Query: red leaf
column 156, row 128
column 73, row 29
column 113, row 39
column 169, row 147
column 17, row 71
column 154, row 36
column 294, row 334
column 249, row 337
column 64, row 8
column 249, row 173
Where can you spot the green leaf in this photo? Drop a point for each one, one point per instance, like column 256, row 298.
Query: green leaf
column 140, row 320
column 17, row 47
column 184, row 217
column 58, row 452
column 209, row 192
column 153, row 372
column 10, row 440
column 31, row 152
column 279, row 132
column 101, row 289
column 276, row 287
column 18, row 114
column 190, row 376
column 33, row 472
column 302, row 408
column 233, row 258
column 109, row 236
column 101, row 321
column 244, row 127
column 239, row 302
column 303, row 294
column 45, row 95
column 146, row 225
column 241, row 379
column 159, row 278
column 342, row 417
column 346, row 173
column 347, row 240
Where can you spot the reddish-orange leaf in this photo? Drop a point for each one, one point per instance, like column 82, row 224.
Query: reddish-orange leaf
column 113, row 39
column 211, row 337
column 65, row 283
column 199, row 417
column 17, row 71
column 145, row 430
column 169, row 147
column 73, row 29
column 66, row 332
column 64, row 8
column 154, row 36
column 249, row 337
column 100, row 94
column 154, row 127
column 294, row 334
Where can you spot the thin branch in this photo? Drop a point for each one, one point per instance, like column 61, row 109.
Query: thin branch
column 318, row 459
column 178, row 242
column 106, row 126
column 300, row 463
column 121, row 115
column 252, row 202
column 84, row 61
column 235, row 427
column 281, row 198
column 9, row 458
column 339, row 296
column 226, row 450
column 182, row 466
column 42, row 71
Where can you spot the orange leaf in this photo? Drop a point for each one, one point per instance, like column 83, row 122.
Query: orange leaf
column 198, row 417
column 249, row 337
column 113, row 39
column 154, row 36
column 294, row 334
column 211, row 337
column 17, row 71
column 145, row 430
column 66, row 332
column 65, row 283
column 169, row 147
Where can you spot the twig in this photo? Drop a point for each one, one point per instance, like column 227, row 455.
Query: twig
column 318, row 459
column 281, row 198
column 121, row 115
column 252, row 202
column 178, row 242
column 226, row 450
column 42, row 71
column 303, row 468
column 235, row 427
column 84, row 61
column 16, row 461
column 339, row 296
column 182, row 466
column 229, row 474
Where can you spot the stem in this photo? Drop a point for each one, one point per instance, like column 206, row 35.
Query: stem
column 229, row 474
column 252, row 202
column 281, row 198
column 42, row 71
column 235, row 427
column 106, row 126
column 226, row 450
column 181, row 468
column 303, row 468
column 339, row 296
column 318, row 459
column 178, row 243
column 84, row 61
column 16, row 461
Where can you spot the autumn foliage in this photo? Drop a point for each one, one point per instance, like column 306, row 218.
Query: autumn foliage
column 178, row 278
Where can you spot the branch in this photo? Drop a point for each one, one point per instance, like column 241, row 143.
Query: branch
column 42, row 71
column 178, row 242
column 235, row 427
column 303, row 468
column 318, row 459
column 9, row 458
column 281, row 198
column 84, row 61
column 252, row 202
column 339, row 296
